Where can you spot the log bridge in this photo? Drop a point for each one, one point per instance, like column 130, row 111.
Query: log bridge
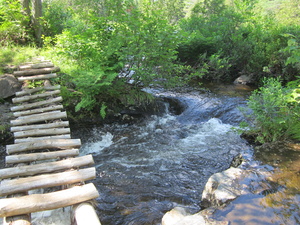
column 44, row 156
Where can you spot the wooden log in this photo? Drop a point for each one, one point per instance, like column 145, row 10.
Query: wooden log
column 41, row 202
column 8, row 187
column 18, row 220
column 36, row 71
column 43, row 144
column 84, row 213
column 40, row 126
column 32, row 157
column 33, row 90
column 48, row 167
column 33, row 139
column 42, row 132
column 38, row 77
column 42, row 117
column 35, row 104
column 39, row 110
column 33, row 97
column 36, row 66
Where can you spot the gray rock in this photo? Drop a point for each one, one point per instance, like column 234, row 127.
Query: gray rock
column 243, row 79
column 179, row 216
column 221, row 188
column 9, row 85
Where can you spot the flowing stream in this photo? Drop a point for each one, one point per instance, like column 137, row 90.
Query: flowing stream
column 149, row 167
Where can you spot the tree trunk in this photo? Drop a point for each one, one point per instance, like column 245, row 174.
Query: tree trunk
column 26, row 6
column 37, row 13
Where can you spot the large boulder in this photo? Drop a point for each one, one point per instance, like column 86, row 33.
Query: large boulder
column 223, row 187
column 9, row 85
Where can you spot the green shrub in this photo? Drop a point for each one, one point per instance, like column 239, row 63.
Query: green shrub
column 13, row 23
column 276, row 111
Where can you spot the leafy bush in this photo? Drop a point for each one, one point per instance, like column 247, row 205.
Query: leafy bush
column 276, row 111
column 56, row 16
column 117, row 53
column 251, row 40
column 13, row 23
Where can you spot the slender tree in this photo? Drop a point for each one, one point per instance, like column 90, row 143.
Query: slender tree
column 33, row 9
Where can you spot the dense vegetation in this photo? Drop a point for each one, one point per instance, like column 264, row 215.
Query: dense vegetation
column 99, row 43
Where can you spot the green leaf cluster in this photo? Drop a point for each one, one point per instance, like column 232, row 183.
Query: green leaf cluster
column 276, row 111
column 250, row 34
column 13, row 23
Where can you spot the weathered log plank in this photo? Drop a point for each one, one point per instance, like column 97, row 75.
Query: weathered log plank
column 43, row 144
column 32, row 139
column 33, row 97
column 41, row 202
column 8, row 187
column 40, row 126
column 38, row 77
column 42, row 132
column 36, row 66
column 35, row 104
column 33, row 90
column 48, row 167
column 36, row 71
column 22, row 120
column 85, row 213
column 31, row 157
column 39, row 110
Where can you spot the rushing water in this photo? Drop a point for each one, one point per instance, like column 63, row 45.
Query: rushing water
column 148, row 168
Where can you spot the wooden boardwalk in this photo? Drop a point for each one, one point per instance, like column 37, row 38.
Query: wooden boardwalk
column 43, row 155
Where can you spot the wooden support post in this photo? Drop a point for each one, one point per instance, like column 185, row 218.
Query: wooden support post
column 84, row 213
column 17, row 220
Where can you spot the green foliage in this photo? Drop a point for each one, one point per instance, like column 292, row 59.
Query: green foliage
column 250, row 36
column 276, row 111
column 102, row 110
column 126, row 39
column 56, row 16
column 13, row 23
